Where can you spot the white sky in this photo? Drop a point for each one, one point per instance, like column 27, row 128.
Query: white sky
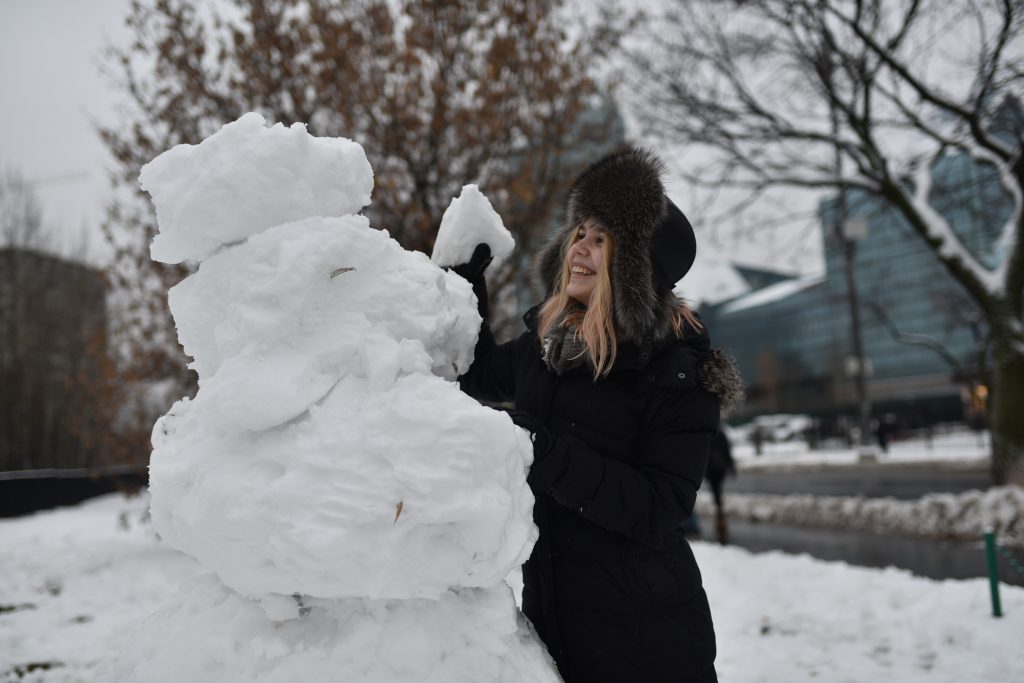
column 52, row 93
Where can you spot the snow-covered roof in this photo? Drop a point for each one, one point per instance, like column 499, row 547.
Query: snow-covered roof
column 773, row 293
column 711, row 280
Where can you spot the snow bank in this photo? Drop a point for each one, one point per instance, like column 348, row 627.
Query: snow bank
column 247, row 178
column 469, row 220
column 963, row 516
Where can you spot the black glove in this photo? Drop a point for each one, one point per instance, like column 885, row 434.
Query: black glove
column 542, row 439
column 473, row 271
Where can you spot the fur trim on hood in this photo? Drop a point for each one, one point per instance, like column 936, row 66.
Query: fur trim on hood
column 625, row 193
column 717, row 373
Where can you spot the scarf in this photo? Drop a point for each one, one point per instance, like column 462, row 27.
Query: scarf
column 563, row 349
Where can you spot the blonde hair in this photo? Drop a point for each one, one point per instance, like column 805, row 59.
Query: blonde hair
column 594, row 325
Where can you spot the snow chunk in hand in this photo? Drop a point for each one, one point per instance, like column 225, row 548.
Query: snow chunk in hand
column 246, row 178
column 469, row 220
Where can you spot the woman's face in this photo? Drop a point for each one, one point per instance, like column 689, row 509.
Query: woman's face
column 586, row 260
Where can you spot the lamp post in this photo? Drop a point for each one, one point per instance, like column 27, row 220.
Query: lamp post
column 851, row 230
column 848, row 231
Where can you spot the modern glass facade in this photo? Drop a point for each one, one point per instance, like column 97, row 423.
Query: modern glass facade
column 792, row 339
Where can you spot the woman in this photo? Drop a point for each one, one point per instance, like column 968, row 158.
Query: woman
column 606, row 379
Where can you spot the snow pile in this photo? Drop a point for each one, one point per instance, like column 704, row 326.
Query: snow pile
column 470, row 220
column 470, row 635
column 963, row 516
column 330, row 474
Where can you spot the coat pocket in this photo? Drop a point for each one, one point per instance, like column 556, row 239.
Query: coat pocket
column 664, row 577
column 655, row 576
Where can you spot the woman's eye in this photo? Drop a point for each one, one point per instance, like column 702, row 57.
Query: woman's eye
column 600, row 240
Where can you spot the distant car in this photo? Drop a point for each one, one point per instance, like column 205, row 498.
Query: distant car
column 774, row 428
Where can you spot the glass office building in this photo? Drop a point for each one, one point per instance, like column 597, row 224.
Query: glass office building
column 922, row 335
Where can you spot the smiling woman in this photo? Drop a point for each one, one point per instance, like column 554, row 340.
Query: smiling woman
column 606, row 379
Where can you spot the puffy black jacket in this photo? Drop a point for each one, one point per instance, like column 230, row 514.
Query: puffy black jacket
column 612, row 586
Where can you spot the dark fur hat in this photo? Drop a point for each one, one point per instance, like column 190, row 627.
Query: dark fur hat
column 625, row 193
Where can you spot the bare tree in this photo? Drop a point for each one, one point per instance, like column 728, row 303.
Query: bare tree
column 869, row 95
column 439, row 93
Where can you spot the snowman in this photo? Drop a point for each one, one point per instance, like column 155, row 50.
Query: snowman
column 356, row 512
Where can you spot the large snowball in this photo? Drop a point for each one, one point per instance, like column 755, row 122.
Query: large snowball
column 395, row 493
column 273, row 323
column 246, row 178
column 469, row 220
column 467, row 636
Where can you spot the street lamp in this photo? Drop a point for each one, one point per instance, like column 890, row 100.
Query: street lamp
column 850, row 231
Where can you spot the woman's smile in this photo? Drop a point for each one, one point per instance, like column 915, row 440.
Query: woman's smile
column 586, row 259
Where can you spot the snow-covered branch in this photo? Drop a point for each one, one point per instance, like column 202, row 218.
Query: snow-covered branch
column 932, row 95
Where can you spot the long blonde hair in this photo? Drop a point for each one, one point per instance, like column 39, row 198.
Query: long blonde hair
column 594, row 324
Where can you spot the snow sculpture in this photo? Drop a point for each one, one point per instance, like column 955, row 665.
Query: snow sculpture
column 358, row 512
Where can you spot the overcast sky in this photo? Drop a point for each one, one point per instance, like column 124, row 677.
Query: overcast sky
column 52, row 94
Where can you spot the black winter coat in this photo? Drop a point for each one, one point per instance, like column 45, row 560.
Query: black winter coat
column 612, row 586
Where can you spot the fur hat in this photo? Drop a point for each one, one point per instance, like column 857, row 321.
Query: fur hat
column 654, row 245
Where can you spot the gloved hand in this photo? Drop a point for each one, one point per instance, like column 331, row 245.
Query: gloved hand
column 548, row 464
column 473, row 271
column 542, row 439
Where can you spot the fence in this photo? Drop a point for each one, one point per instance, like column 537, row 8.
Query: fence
column 25, row 491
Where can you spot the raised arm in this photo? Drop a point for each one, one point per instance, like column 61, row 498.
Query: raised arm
column 491, row 377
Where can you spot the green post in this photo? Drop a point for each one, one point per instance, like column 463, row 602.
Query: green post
column 993, row 572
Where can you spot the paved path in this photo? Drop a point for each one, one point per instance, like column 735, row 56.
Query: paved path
column 898, row 481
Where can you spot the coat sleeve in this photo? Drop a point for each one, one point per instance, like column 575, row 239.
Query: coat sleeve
column 654, row 494
column 492, row 376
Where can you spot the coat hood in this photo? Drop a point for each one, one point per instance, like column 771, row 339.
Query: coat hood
column 653, row 243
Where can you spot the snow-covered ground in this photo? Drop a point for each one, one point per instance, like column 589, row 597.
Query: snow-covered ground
column 78, row 581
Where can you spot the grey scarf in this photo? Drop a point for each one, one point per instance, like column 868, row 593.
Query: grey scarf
column 563, row 349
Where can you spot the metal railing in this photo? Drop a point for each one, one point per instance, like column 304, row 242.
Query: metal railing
column 72, row 473
column 991, row 559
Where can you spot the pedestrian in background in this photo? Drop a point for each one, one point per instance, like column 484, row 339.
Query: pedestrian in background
column 720, row 466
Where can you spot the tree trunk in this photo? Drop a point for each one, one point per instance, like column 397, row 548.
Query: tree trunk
column 1007, row 416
